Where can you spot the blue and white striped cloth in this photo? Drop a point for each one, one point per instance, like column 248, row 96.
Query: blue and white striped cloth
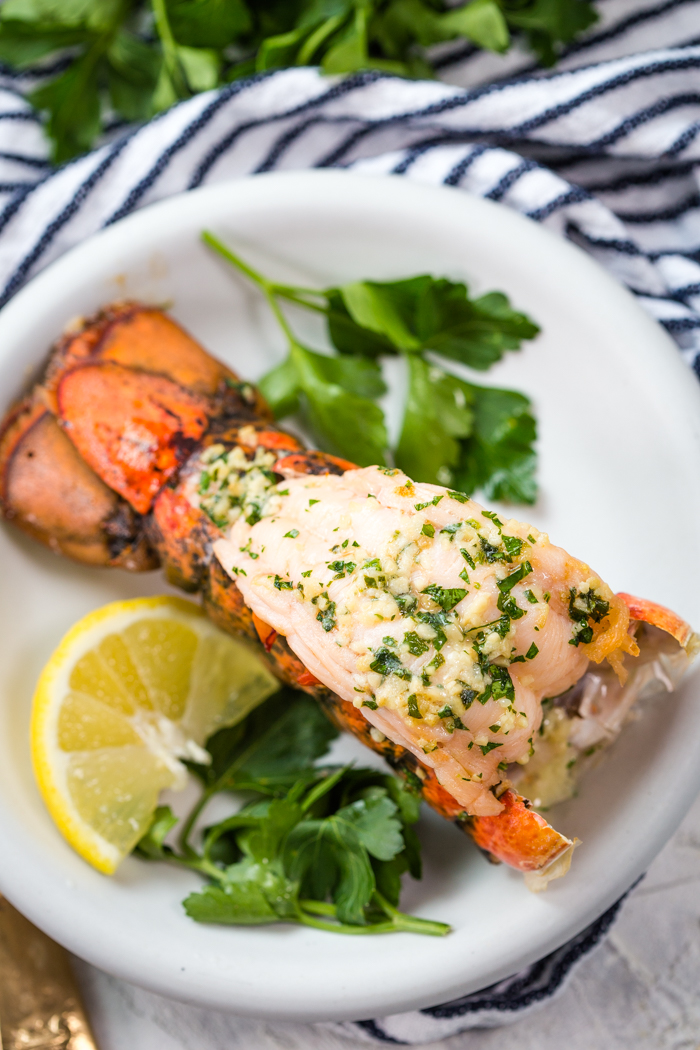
column 604, row 150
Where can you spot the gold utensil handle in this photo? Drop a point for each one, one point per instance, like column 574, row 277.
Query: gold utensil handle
column 40, row 1005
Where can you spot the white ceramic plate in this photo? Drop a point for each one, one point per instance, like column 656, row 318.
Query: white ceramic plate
column 620, row 481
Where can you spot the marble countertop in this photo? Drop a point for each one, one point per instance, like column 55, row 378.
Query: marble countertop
column 640, row 990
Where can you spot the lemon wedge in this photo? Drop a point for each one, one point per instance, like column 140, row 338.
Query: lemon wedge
column 132, row 689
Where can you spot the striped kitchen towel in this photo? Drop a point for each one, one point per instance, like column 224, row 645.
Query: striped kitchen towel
column 500, row 1004
column 604, row 150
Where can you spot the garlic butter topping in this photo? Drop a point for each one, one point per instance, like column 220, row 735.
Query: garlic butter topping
column 444, row 624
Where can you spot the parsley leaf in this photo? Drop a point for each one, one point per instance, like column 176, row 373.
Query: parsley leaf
column 387, row 663
column 447, row 597
column 500, row 458
column 428, row 313
column 181, row 47
column 438, row 413
column 333, row 393
column 271, row 746
column 324, row 847
column 453, row 432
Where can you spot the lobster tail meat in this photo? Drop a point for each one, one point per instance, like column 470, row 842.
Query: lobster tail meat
column 442, row 625
column 431, row 630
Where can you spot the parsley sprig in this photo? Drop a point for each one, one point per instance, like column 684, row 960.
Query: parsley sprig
column 453, row 432
column 320, row 846
column 134, row 58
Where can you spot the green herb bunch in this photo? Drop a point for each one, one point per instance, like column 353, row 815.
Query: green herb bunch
column 454, row 433
column 134, row 58
column 321, row 846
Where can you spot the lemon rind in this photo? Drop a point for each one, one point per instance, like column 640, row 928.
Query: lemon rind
column 50, row 774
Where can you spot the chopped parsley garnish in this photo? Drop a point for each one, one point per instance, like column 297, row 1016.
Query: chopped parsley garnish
column 501, row 684
column 283, row 492
column 508, row 605
column 531, row 597
column 513, row 545
column 506, row 602
column 372, row 704
column 451, row 529
column 495, row 728
column 413, row 708
column 485, row 748
column 489, row 552
column 307, row 573
column 370, row 581
column 467, row 557
column 428, row 530
column 283, row 585
column 312, row 501
column 431, row 503
column 468, row 696
column 464, row 575
column 386, row 663
column 248, row 551
column 459, row 496
column 447, row 597
column 502, row 767
column 326, row 617
column 373, row 564
column 416, row 645
column 388, row 640
column 532, row 652
column 501, row 626
column 341, row 568
column 437, row 621
column 437, row 661
column 531, row 538
column 291, row 535
column 241, row 572
column 413, row 779
column 583, row 607
column 406, row 602
column 493, row 516
column 445, row 712
column 515, row 577
column 204, row 481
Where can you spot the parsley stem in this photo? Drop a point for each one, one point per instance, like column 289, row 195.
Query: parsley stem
column 324, row 786
column 294, row 296
column 313, row 42
column 268, row 288
column 169, row 45
column 411, row 923
column 196, row 863
column 226, row 253
column 338, row 927
column 398, row 922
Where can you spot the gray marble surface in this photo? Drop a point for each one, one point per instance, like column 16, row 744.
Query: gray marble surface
column 640, row 990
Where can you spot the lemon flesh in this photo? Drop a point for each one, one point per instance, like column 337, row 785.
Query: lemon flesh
column 132, row 690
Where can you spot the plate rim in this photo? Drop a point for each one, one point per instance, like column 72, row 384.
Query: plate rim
column 49, row 283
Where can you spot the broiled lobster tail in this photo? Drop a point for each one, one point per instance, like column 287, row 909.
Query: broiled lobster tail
column 97, row 462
